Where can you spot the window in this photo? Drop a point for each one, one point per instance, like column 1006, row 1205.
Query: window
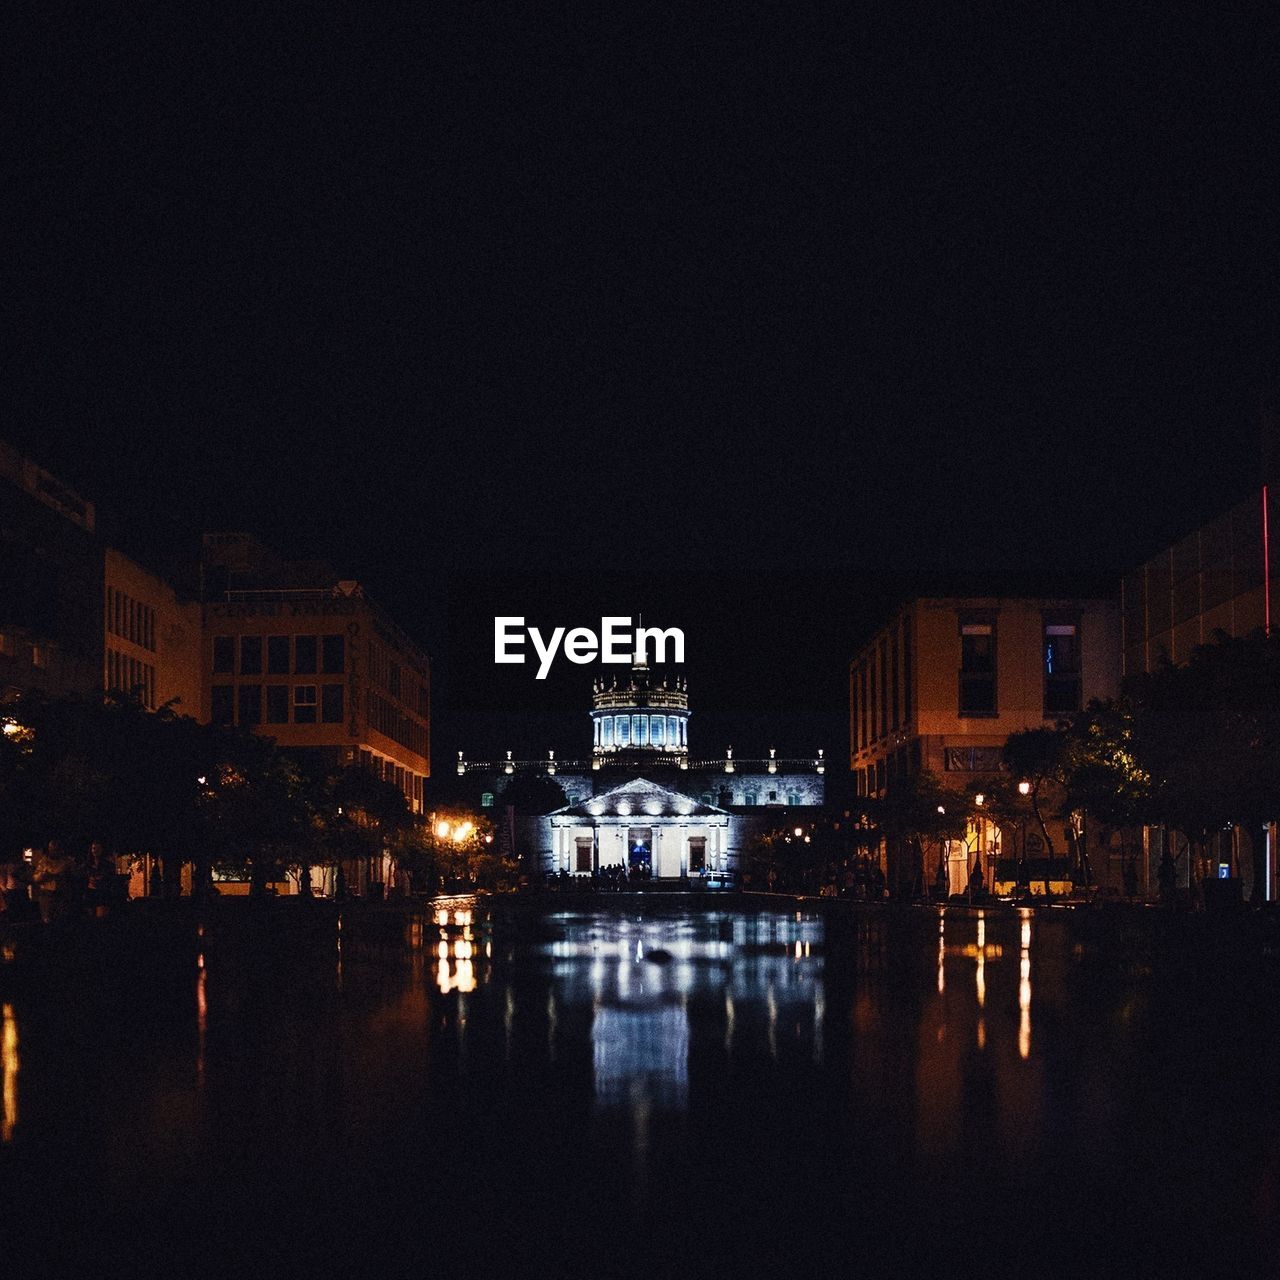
column 639, row 731
column 673, row 732
column 304, row 704
column 277, row 655
column 906, row 669
column 1061, row 667
column 793, row 797
column 331, row 704
column 486, row 800
column 893, row 686
column 977, row 667
column 250, row 655
column 971, row 759
column 752, row 797
column 773, row 797
column 250, row 700
column 277, row 704
column 657, row 731
column 607, row 732
column 304, row 655
column 224, row 655
column 333, row 654
column 222, row 706
column 624, row 731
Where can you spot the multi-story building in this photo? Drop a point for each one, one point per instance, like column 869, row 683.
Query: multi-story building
column 1220, row 577
column 50, row 583
column 151, row 639
column 294, row 653
column 946, row 681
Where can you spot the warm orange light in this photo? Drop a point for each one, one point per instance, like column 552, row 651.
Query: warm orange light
column 1024, row 788
column 442, row 830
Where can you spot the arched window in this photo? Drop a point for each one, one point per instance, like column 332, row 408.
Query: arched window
column 793, row 797
column 752, row 797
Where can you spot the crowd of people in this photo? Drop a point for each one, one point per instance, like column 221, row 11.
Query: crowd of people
column 52, row 885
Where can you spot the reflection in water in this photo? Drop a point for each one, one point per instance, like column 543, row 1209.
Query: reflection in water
column 1024, row 987
column 460, row 975
column 639, row 977
column 641, row 1053
column 9, row 1069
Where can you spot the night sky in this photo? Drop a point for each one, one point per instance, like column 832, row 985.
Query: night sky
column 747, row 320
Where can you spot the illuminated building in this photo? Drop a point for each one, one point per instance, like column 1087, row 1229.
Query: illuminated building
column 292, row 652
column 640, row 799
column 944, row 683
column 151, row 639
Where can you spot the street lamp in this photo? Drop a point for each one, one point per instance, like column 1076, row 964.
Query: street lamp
column 1024, row 789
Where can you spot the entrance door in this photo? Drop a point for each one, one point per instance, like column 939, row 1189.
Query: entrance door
column 640, row 847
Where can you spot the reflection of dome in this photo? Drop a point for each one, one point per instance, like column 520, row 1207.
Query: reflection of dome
column 641, row 715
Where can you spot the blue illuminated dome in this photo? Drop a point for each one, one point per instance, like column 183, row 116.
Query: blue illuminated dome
column 643, row 715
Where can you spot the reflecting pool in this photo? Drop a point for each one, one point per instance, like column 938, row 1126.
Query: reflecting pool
column 659, row 1091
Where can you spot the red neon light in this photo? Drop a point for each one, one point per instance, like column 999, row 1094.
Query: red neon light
column 1266, row 565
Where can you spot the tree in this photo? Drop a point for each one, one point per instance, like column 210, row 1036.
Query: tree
column 1103, row 777
column 915, row 811
column 367, row 814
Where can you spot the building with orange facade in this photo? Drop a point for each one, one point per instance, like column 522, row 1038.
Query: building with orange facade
column 946, row 681
column 292, row 652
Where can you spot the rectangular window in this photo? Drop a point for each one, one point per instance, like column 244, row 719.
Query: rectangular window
column 304, row 704
column 639, row 731
column 871, row 699
column 1061, row 668
column 277, row 655
column 224, row 655
column 977, row 668
column 304, row 655
column 250, row 700
column 334, row 655
column 893, row 687
column 624, row 731
column 906, row 670
column 883, row 675
column 222, row 704
column 277, row 704
column 607, row 731
column 657, row 731
column 250, row 655
column 331, row 704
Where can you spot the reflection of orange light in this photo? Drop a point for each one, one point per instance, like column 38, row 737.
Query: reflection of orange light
column 9, row 1068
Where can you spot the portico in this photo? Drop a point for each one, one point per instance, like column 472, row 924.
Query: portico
column 641, row 824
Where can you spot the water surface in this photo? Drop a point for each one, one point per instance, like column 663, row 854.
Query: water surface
column 650, row 1092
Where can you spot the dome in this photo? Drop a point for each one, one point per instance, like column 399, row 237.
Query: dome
column 641, row 714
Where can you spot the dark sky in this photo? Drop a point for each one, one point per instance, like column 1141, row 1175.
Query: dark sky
column 755, row 316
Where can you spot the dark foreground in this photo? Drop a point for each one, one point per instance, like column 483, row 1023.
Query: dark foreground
column 666, row 1092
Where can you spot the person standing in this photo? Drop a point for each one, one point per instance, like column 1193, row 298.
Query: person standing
column 50, row 879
